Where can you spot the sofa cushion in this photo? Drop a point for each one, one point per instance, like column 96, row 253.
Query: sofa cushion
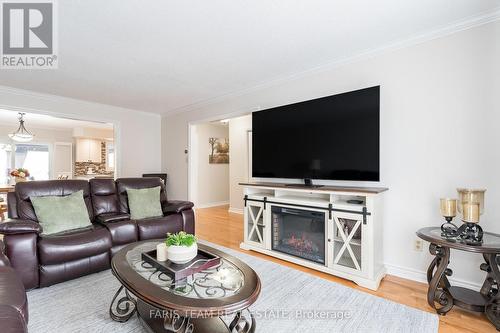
column 57, row 214
column 122, row 232
column 52, row 274
column 43, row 188
column 144, row 202
column 158, row 227
column 104, row 196
column 74, row 244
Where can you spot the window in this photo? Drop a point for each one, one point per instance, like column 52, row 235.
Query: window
column 110, row 156
column 35, row 158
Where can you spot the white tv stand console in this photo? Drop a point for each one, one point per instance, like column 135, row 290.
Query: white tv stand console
column 337, row 230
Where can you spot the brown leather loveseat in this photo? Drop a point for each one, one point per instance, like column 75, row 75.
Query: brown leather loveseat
column 42, row 260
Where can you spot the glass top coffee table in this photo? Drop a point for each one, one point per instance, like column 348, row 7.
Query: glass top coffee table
column 192, row 304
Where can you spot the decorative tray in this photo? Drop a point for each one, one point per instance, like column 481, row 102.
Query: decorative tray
column 203, row 260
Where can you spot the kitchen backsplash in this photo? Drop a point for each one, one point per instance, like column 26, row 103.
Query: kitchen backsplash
column 81, row 168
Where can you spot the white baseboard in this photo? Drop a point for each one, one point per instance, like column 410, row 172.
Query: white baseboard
column 212, row 204
column 421, row 276
column 235, row 210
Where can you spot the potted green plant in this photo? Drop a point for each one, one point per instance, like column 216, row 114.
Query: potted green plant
column 181, row 247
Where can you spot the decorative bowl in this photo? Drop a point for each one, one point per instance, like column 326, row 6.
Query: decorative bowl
column 182, row 254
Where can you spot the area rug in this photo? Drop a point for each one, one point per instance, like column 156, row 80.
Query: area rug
column 290, row 301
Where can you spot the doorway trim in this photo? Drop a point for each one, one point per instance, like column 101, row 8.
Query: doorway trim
column 115, row 123
column 191, row 159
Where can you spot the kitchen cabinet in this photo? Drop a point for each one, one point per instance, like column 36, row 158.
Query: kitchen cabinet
column 88, row 150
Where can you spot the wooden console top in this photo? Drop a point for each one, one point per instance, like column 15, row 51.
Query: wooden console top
column 325, row 188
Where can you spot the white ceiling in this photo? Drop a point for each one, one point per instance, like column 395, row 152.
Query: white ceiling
column 10, row 118
column 162, row 56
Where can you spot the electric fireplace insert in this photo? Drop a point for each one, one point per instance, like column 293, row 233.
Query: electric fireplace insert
column 300, row 233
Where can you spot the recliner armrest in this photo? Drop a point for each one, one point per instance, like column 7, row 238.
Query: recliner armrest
column 12, row 297
column 18, row 226
column 177, row 206
column 12, row 320
column 112, row 217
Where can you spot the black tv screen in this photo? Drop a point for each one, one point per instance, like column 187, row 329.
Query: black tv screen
column 333, row 138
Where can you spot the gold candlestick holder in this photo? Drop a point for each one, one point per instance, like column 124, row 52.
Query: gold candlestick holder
column 448, row 208
column 470, row 204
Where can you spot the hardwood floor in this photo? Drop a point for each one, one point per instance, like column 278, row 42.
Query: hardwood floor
column 218, row 226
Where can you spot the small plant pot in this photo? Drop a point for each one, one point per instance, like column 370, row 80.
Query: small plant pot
column 182, row 254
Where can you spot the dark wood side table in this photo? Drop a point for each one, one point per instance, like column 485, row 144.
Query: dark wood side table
column 442, row 296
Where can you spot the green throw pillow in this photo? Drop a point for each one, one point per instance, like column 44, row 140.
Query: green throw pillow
column 56, row 213
column 144, row 202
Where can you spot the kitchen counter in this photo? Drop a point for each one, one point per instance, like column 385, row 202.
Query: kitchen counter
column 6, row 188
column 91, row 176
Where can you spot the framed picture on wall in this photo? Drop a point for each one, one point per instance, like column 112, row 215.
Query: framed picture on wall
column 219, row 151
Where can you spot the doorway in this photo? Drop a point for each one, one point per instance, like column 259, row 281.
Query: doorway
column 213, row 178
column 210, row 164
column 60, row 148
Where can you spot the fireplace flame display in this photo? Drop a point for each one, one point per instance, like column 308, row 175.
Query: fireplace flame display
column 301, row 244
column 300, row 233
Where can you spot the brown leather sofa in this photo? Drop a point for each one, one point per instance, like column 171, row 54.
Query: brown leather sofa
column 42, row 260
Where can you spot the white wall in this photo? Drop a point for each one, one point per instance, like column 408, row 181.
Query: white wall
column 439, row 130
column 238, row 155
column 211, row 181
column 138, row 134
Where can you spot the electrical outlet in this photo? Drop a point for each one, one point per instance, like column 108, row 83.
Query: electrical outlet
column 418, row 245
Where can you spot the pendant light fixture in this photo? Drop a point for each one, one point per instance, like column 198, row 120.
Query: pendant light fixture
column 22, row 134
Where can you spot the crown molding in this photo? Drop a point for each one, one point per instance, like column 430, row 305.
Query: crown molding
column 444, row 31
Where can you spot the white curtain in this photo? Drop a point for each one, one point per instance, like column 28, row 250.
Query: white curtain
column 37, row 163
column 4, row 163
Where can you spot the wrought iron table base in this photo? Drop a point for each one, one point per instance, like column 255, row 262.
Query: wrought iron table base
column 442, row 296
column 125, row 306
column 164, row 321
column 468, row 233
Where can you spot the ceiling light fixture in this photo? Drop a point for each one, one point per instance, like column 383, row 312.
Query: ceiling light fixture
column 22, row 134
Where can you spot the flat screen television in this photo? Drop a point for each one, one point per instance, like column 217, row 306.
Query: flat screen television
column 331, row 138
